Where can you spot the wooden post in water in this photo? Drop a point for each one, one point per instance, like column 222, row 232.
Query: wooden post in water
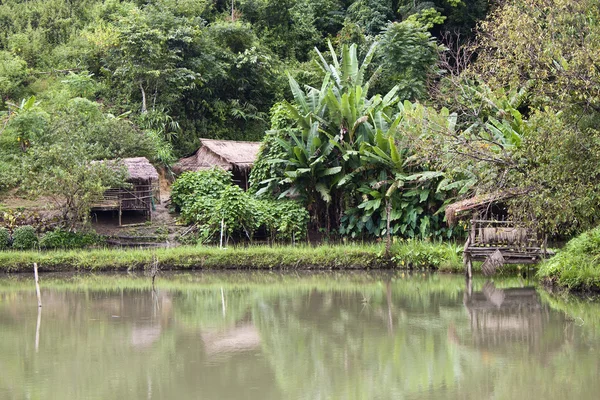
column 154, row 269
column 37, row 329
column 37, row 284
column 223, row 301
column 468, row 263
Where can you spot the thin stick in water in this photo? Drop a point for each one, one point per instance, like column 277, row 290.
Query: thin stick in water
column 37, row 284
column 37, row 329
column 223, row 301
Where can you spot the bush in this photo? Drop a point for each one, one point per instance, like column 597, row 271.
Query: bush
column 4, row 239
column 208, row 197
column 283, row 219
column 575, row 266
column 24, row 238
column 61, row 239
column 191, row 187
column 8, row 177
column 424, row 254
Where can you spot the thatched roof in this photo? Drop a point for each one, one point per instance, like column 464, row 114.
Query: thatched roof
column 226, row 154
column 454, row 210
column 138, row 168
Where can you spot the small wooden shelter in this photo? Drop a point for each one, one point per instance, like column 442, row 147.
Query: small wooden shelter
column 492, row 237
column 141, row 193
column 235, row 156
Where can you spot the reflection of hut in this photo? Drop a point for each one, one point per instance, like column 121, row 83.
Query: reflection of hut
column 230, row 155
column 492, row 236
column 504, row 316
column 139, row 195
column 233, row 340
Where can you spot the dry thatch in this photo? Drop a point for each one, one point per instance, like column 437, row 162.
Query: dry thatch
column 227, row 154
column 138, row 168
column 454, row 210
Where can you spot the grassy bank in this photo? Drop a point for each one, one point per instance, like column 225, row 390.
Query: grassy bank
column 412, row 254
column 577, row 266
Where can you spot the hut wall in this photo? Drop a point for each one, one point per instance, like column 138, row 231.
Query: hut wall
column 137, row 197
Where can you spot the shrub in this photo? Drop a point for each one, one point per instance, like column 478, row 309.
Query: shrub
column 61, row 239
column 24, row 238
column 192, row 185
column 576, row 265
column 283, row 219
column 208, row 197
column 4, row 239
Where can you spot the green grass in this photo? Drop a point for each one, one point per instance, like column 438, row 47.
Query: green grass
column 411, row 254
column 421, row 254
column 577, row 266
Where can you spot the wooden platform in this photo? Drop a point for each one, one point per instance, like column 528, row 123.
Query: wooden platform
column 512, row 255
column 516, row 244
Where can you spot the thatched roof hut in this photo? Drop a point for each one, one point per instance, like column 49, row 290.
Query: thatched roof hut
column 235, row 156
column 493, row 237
column 143, row 190
column 227, row 154
column 454, row 210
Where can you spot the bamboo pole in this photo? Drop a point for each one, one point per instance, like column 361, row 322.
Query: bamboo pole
column 37, row 284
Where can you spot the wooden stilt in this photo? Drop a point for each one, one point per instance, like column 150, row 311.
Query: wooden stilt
column 469, row 267
column 467, row 262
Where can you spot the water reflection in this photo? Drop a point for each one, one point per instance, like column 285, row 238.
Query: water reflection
column 314, row 336
column 501, row 317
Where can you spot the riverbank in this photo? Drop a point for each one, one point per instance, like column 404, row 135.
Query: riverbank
column 577, row 266
column 408, row 254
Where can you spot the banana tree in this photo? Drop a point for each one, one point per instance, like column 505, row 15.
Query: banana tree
column 311, row 172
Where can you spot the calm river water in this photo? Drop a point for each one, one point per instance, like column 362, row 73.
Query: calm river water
column 294, row 336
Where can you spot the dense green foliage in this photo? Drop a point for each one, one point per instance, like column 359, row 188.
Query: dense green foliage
column 210, row 200
column 4, row 238
column 92, row 80
column 368, row 149
column 62, row 239
column 214, row 71
column 577, row 266
column 24, row 238
column 529, row 113
column 347, row 159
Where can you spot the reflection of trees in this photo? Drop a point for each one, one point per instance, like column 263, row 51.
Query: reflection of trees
column 340, row 351
column 307, row 337
column 118, row 344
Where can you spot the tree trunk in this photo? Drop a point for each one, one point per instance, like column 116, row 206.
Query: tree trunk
column 144, row 107
column 388, row 234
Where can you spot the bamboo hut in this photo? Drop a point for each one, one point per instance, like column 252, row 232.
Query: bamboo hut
column 492, row 236
column 235, row 156
column 141, row 193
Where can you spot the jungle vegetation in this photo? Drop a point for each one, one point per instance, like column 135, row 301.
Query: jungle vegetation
column 373, row 114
